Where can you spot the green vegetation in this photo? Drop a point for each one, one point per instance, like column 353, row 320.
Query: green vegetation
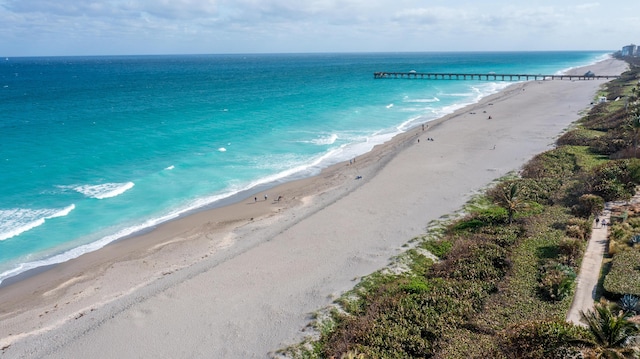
column 506, row 270
column 610, row 332
column 624, row 277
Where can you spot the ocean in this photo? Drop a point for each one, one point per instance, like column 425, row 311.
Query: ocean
column 98, row 148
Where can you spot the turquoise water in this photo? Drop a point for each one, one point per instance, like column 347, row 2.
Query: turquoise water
column 97, row 148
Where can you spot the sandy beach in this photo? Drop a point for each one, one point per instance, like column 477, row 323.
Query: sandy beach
column 243, row 281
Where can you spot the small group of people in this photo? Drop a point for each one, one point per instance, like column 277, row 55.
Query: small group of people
column 255, row 199
column 604, row 221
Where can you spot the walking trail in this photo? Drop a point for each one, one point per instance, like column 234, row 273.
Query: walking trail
column 585, row 295
column 587, row 280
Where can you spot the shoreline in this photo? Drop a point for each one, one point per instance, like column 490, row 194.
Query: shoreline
column 230, row 200
column 227, row 249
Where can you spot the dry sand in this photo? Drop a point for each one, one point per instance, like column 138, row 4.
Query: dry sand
column 242, row 281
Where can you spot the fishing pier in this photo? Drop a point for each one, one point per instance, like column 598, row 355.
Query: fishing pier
column 486, row 77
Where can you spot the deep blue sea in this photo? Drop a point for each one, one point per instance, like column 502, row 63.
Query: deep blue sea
column 97, row 148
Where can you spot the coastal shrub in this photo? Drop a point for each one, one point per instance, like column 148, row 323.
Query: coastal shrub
column 439, row 248
column 615, row 180
column 418, row 262
column 595, row 116
column 570, row 250
column 391, row 327
column 401, row 323
column 600, row 118
column 629, row 152
column 624, row 276
column 556, row 281
column 474, row 260
column 492, row 215
column 504, row 235
column 585, row 225
column 539, row 340
column 589, row 204
column 611, row 143
column 556, row 163
column 586, row 160
column 352, row 354
column 619, row 233
column 575, row 231
column 470, row 223
column 581, row 227
column 483, row 217
column 541, row 190
column 415, row 285
column 578, row 137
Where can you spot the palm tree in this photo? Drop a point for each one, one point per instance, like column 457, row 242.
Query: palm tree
column 510, row 199
column 610, row 333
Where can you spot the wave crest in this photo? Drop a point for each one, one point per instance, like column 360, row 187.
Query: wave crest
column 15, row 221
column 423, row 100
column 103, row 191
column 329, row 140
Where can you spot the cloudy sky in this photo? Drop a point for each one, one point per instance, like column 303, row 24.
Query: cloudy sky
column 115, row 27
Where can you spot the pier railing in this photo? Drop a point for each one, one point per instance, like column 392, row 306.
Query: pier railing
column 487, row 76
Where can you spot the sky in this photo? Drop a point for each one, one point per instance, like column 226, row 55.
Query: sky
column 140, row 27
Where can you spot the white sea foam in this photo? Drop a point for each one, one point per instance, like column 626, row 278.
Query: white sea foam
column 102, row 191
column 222, row 149
column 15, row 221
column 327, row 140
column 170, row 167
column 422, row 100
column 390, row 105
column 413, row 109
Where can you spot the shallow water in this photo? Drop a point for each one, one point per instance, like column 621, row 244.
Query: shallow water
column 96, row 148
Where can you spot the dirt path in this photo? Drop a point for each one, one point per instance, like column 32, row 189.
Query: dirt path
column 587, row 280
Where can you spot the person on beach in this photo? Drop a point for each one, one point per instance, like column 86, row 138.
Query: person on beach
column 265, row 197
column 255, row 199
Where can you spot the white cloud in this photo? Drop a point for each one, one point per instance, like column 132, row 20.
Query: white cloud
column 168, row 26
